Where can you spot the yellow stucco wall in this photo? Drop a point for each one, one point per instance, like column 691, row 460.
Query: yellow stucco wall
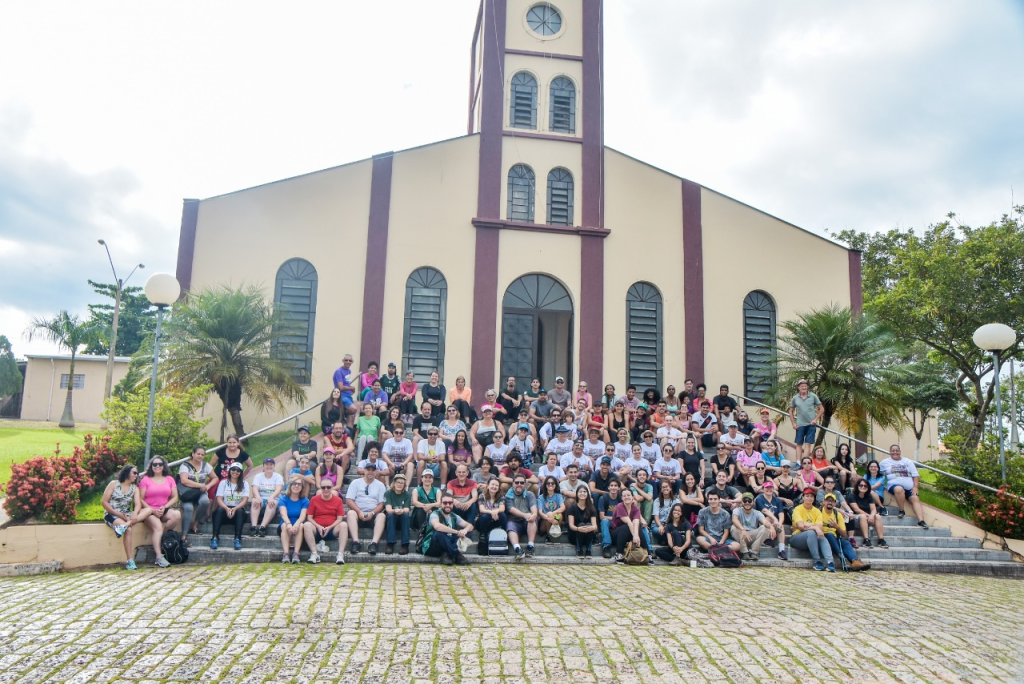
column 43, row 398
column 542, row 156
column 433, row 199
column 799, row 270
column 569, row 41
column 643, row 209
column 523, row 252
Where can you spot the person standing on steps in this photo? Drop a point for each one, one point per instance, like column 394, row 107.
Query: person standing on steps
column 805, row 410
column 902, row 480
column 344, row 381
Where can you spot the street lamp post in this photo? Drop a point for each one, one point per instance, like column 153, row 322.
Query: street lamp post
column 996, row 338
column 162, row 290
column 119, row 284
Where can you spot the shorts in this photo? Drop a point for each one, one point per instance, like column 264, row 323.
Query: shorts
column 327, row 537
column 346, row 399
column 367, row 523
column 892, row 489
column 805, row 434
column 435, row 468
column 517, row 526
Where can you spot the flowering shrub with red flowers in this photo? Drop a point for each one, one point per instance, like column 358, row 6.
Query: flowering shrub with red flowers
column 1001, row 514
column 50, row 487
column 98, row 459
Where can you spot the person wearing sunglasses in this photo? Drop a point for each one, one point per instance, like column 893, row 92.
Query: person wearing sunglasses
column 121, row 501
column 159, row 493
column 325, row 521
column 233, row 494
column 444, row 531
column 364, row 500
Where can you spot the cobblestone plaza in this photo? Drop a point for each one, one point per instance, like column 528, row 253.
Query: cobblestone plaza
column 410, row 623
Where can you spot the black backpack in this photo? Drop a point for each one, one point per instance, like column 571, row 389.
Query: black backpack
column 174, row 551
column 724, row 557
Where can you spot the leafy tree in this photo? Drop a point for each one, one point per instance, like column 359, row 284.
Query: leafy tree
column 136, row 320
column 939, row 286
column 222, row 337
column 10, row 376
column 927, row 389
column 68, row 332
column 849, row 362
column 175, row 431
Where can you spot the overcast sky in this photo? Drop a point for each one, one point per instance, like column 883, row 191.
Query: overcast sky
column 830, row 115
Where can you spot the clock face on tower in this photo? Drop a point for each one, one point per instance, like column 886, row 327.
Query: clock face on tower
column 544, row 20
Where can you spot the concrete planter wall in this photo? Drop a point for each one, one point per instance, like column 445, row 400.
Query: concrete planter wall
column 80, row 545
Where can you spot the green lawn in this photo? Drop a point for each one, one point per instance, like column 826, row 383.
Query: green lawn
column 20, row 441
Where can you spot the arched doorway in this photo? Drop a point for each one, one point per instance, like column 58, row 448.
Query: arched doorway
column 536, row 331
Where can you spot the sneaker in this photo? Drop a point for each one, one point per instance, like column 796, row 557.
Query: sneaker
column 579, row 553
column 783, row 555
column 161, row 562
column 676, row 562
column 460, row 559
column 403, row 550
column 619, row 558
column 867, row 543
column 252, row 530
column 650, row 559
column 519, row 553
column 262, row 531
column 314, row 558
column 295, row 558
column 530, row 550
column 831, row 567
column 238, row 545
column 213, row 543
column 356, row 547
column 130, row 565
column 882, row 544
column 389, row 549
column 119, row 530
column 286, row 558
column 606, row 551
column 446, row 559
column 373, row 548
column 883, row 511
column 589, row 553
column 752, row 557
column 922, row 524
column 858, row 565
column 340, row 560
column 853, row 542
column 819, row 567
column 901, row 514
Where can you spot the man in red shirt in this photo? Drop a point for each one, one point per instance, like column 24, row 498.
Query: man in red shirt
column 465, row 493
column 325, row 522
column 343, row 446
column 513, row 467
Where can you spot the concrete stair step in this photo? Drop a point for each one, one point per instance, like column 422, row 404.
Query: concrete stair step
column 912, row 553
column 202, row 541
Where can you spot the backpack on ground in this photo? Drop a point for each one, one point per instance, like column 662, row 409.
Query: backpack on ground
column 635, row 554
column 174, row 551
column 724, row 557
column 497, row 542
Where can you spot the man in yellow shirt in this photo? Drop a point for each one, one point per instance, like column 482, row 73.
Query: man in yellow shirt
column 810, row 533
column 834, row 526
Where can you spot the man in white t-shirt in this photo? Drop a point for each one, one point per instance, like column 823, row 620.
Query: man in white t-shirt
column 593, row 448
column 373, row 460
column 668, row 469
column 576, row 457
column 398, row 453
column 733, row 440
column 705, row 426
column 901, row 480
column 670, row 433
column 266, row 488
column 432, row 453
column 522, row 443
column 562, row 443
column 637, row 462
column 364, row 501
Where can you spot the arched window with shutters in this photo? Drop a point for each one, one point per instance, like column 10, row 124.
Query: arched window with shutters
column 563, row 106
column 560, row 198
column 758, row 340
column 521, row 189
column 295, row 301
column 426, row 304
column 523, row 101
column 643, row 336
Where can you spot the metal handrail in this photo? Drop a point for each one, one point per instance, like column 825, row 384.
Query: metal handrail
column 748, row 400
column 294, row 416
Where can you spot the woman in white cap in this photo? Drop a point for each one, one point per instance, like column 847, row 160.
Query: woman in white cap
column 232, row 495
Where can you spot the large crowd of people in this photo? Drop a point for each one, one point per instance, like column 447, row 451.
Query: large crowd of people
column 675, row 473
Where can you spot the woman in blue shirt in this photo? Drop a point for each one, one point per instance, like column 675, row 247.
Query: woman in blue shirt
column 550, row 507
column 292, row 508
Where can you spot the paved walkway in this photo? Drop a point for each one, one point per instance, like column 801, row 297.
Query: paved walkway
column 377, row 623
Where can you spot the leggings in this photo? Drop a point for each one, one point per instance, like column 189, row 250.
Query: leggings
column 220, row 517
column 584, row 540
column 197, row 509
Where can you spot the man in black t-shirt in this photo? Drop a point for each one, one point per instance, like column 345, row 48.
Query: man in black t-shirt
column 511, row 399
column 423, row 420
column 723, row 399
column 605, row 512
column 390, row 382
column 727, row 494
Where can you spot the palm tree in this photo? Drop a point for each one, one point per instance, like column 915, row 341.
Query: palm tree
column 224, row 337
column 850, row 362
column 67, row 332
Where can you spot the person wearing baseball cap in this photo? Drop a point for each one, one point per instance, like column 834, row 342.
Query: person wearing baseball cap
column 749, row 528
column 835, row 532
column 774, row 510
column 560, row 396
column 811, row 535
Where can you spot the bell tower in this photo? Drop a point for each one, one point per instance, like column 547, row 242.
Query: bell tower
column 536, row 99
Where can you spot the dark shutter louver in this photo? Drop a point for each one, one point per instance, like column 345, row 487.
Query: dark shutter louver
column 563, row 106
column 758, row 340
column 295, row 301
column 523, row 101
column 643, row 336
column 521, row 190
column 560, row 198
column 426, row 301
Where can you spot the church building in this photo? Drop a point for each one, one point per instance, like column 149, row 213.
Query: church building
column 525, row 247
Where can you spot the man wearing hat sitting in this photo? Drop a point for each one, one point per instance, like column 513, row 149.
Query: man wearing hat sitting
column 774, row 511
column 835, row 532
column 749, row 528
column 521, row 442
column 560, row 396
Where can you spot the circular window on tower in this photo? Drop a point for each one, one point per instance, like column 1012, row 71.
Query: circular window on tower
column 544, row 20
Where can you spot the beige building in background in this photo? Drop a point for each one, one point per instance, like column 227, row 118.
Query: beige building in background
column 46, row 386
column 525, row 247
